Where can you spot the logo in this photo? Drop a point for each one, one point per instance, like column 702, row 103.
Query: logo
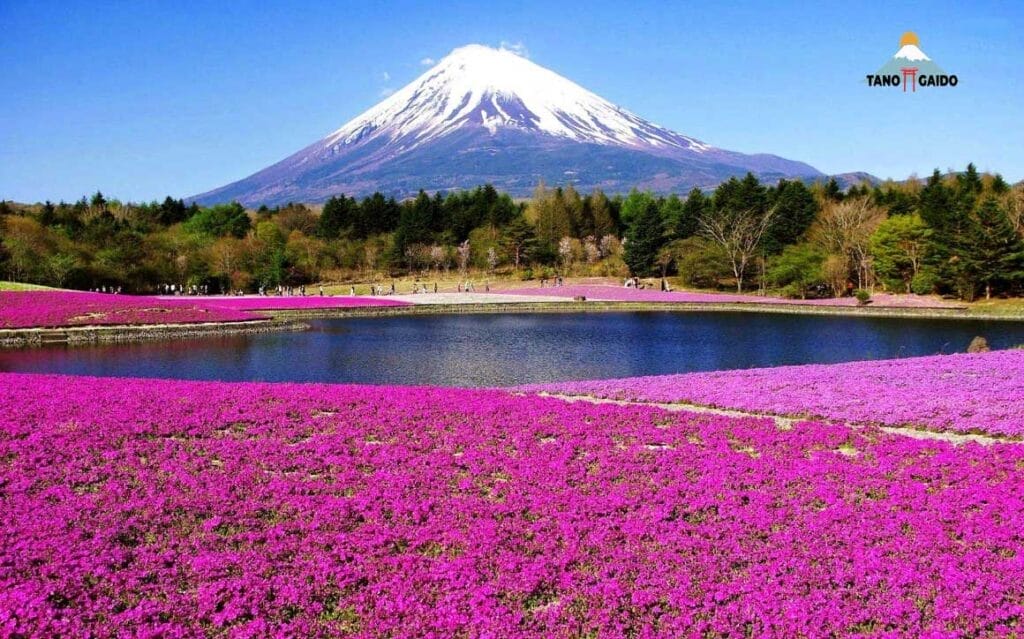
column 910, row 69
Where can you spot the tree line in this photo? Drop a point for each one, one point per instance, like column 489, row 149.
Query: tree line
column 957, row 234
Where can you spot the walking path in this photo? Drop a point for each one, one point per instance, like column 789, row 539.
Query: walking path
column 785, row 423
column 475, row 298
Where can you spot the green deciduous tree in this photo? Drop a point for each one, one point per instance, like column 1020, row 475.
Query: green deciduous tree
column 900, row 247
column 220, row 220
column 797, row 269
column 700, row 262
column 634, row 205
column 550, row 219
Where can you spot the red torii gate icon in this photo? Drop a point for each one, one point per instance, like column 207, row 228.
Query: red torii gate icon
column 910, row 72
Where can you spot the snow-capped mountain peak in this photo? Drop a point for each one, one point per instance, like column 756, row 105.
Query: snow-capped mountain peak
column 484, row 115
column 482, row 87
column 911, row 52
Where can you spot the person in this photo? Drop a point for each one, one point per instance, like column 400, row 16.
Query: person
column 321, row 290
column 664, row 286
column 392, row 287
column 435, row 287
column 352, row 291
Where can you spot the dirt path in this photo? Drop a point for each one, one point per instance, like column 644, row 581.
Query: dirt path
column 785, row 423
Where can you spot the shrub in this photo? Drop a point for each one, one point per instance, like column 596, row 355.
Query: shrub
column 924, row 283
column 701, row 263
column 793, row 291
column 863, row 297
column 797, row 270
column 978, row 345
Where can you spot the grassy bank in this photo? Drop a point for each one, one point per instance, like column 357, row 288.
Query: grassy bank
column 18, row 286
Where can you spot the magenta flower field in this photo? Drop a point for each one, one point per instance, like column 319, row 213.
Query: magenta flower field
column 978, row 393
column 254, row 303
column 47, row 309
column 622, row 294
column 151, row 508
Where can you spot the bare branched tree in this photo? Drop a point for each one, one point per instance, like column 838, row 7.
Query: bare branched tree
column 464, row 253
column 845, row 228
column 739, row 233
column 1013, row 202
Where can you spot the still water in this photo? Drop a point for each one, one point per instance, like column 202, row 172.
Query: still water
column 489, row 350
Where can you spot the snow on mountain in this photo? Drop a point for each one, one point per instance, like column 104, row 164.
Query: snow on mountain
column 910, row 55
column 911, row 52
column 484, row 115
column 497, row 88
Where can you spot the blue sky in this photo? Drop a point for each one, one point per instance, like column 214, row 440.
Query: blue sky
column 142, row 99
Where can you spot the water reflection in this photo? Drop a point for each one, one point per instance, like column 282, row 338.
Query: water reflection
column 484, row 350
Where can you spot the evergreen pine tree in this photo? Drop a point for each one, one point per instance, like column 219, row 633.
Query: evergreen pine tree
column 414, row 224
column 695, row 206
column 518, row 240
column 671, row 213
column 993, row 253
column 832, row 190
column 795, row 210
column 645, row 237
column 335, row 218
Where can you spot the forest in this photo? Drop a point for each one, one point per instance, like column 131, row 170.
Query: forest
column 958, row 234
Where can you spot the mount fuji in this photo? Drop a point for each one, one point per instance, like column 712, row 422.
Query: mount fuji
column 489, row 115
column 910, row 55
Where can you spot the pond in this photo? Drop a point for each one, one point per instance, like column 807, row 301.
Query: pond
column 498, row 350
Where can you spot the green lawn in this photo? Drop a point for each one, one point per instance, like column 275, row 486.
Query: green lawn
column 1010, row 307
column 18, row 286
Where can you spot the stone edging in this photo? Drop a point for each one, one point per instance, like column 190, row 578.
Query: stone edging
column 78, row 335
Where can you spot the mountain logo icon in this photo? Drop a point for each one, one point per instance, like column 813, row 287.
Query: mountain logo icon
column 911, row 68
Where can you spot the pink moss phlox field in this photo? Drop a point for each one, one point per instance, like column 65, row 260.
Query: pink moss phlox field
column 48, row 309
column 979, row 393
column 295, row 303
column 171, row 509
column 622, row 294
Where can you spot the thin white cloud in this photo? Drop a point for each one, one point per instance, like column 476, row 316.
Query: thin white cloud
column 383, row 80
column 427, row 62
column 516, row 47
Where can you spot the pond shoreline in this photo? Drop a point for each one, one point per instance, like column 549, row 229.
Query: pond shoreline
column 119, row 333
column 290, row 319
column 569, row 306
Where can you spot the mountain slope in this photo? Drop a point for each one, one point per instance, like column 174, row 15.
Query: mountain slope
column 489, row 115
